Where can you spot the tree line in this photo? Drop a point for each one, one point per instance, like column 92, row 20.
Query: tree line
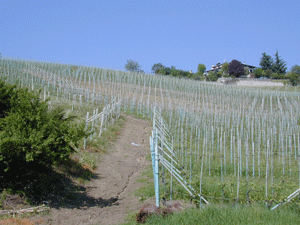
column 269, row 68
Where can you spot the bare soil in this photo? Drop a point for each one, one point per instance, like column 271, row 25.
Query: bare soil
column 109, row 197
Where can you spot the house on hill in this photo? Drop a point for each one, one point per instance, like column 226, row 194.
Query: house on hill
column 218, row 67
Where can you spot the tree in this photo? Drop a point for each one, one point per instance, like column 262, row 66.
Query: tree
column 6, row 92
column 212, row 76
column 266, row 62
column 225, row 68
column 201, row 69
column 279, row 66
column 267, row 73
column 295, row 69
column 157, row 67
column 236, row 68
column 294, row 78
column 258, row 72
column 132, row 66
column 277, row 76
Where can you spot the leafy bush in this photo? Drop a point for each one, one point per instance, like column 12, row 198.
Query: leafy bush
column 267, row 73
column 211, row 76
column 30, row 133
column 277, row 76
column 294, row 78
column 5, row 94
column 258, row 72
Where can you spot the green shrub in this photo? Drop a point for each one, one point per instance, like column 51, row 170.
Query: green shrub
column 294, row 78
column 212, row 76
column 6, row 91
column 277, row 76
column 30, row 133
column 258, row 72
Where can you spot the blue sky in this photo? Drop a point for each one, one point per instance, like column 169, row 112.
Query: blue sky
column 180, row 33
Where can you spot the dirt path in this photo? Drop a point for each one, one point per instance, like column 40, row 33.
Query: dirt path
column 117, row 175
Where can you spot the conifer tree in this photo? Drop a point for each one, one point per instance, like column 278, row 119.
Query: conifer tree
column 279, row 66
column 266, row 62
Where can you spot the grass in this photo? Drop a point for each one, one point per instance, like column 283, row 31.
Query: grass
column 147, row 190
column 102, row 143
column 227, row 214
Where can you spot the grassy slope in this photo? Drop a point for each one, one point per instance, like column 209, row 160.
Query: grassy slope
column 225, row 214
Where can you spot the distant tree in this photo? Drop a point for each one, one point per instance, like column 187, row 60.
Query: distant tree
column 277, row 76
column 236, row 68
column 267, row 73
column 212, row 76
column 295, row 69
column 258, row 72
column 201, row 69
column 279, row 66
column 225, row 68
column 294, row 78
column 219, row 73
column 132, row 66
column 266, row 62
column 157, row 68
column 168, row 70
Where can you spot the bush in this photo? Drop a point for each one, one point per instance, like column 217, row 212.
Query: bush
column 294, row 78
column 258, row 72
column 267, row 73
column 211, row 76
column 277, row 76
column 30, row 133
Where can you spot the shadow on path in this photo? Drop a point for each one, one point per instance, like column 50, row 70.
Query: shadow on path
column 45, row 185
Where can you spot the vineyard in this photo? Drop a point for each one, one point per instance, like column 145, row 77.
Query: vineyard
column 233, row 144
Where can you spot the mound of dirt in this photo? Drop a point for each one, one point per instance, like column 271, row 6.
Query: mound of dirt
column 150, row 209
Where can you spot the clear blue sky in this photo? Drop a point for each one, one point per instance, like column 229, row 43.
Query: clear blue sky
column 182, row 33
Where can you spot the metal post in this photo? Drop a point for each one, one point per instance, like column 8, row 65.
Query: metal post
column 86, row 126
column 156, row 173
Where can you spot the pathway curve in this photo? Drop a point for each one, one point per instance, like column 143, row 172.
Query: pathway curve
column 117, row 174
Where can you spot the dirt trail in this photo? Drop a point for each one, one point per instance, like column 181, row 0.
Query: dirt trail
column 117, row 175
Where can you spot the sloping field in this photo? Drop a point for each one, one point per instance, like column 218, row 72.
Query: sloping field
column 235, row 139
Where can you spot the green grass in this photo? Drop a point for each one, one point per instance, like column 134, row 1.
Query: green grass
column 227, row 214
column 147, row 190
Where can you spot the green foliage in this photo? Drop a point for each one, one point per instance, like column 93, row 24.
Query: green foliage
column 132, row 66
column 266, row 62
column 212, row 76
column 6, row 91
column 294, row 78
column 267, row 73
column 219, row 73
column 225, row 68
column 279, row 66
column 157, row 68
column 295, row 69
column 258, row 72
column 30, row 133
column 277, row 76
column 201, row 69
